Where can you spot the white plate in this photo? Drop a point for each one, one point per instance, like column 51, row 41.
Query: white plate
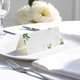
column 70, row 41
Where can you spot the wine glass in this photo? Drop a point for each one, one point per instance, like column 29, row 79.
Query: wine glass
column 4, row 9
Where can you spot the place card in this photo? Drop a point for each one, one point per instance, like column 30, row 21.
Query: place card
column 34, row 42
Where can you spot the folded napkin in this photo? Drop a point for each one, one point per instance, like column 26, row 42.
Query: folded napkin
column 66, row 63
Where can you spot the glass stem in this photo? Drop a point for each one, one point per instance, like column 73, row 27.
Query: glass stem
column 1, row 26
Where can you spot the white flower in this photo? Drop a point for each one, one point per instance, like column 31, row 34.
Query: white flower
column 40, row 11
column 23, row 15
column 43, row 12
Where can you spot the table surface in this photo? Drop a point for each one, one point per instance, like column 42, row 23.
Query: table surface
column 70, row 27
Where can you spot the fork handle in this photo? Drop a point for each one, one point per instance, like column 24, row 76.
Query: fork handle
column 26, row 71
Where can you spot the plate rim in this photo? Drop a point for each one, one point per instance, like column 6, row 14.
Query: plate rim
column 32, row 59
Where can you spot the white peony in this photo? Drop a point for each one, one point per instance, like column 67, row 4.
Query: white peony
column 40, row 11
column 23, row 15
column 43, row 12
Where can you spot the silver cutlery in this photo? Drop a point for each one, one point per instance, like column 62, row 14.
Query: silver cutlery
column 19, row 68
column 30, row 28
column 9, row 32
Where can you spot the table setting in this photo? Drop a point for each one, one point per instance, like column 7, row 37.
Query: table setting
column 71, row 43
column 39, row 48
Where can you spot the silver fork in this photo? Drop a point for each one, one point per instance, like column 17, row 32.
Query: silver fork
column 19, row 68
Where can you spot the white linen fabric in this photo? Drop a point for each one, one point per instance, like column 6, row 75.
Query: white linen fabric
column 6, row 73
column 66, row 63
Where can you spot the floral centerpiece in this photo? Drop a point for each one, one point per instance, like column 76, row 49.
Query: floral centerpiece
column 37, row 12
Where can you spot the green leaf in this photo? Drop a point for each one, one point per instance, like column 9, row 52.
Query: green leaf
column 25, row 42
column 31, row 1
column 61, row 41
column 49, row 46
column 26, row 36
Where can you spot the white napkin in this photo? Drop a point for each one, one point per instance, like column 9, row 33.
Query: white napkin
column 65, row 63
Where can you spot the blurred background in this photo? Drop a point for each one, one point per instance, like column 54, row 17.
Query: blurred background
column 68, row 9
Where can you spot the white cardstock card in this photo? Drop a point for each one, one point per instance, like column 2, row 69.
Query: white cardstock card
column 30, row 43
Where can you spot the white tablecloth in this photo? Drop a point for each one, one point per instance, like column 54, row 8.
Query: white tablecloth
column 7, row 74
column 70, row 27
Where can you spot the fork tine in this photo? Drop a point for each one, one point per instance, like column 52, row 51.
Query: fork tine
column 12, row 64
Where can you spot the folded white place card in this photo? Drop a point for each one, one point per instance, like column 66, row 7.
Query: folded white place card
column 30, row 43
column 66, row 63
